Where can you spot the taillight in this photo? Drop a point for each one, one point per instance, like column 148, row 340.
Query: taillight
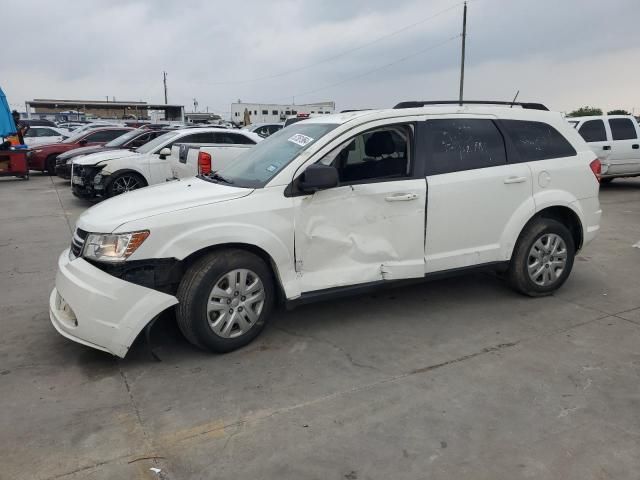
column 204, row 163
column 596, row 168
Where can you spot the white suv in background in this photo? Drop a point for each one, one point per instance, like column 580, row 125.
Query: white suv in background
column 331, row 205
column 110, row 173
column 615, row 139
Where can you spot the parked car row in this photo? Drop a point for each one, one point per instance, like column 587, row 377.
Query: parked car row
column 327, row 206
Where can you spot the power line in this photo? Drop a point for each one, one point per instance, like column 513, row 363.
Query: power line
column 342, row 54
column 402, row 59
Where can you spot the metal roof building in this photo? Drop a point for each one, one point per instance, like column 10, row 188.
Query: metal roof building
column 39, row 108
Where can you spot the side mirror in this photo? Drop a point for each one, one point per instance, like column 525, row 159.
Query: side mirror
column 83, row 142
column 165, row 152
column 318, row 177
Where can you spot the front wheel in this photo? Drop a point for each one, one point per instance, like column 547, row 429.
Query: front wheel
column 225, row 300
column 542, row 259
column 124, row 182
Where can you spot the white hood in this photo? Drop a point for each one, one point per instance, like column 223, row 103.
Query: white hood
column 156, row 200
column 94, row 158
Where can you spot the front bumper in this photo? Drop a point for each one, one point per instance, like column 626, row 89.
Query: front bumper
column 63, row 170
column 83, row 181
column 99, row 310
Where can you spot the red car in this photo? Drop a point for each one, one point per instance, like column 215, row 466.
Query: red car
column 43, row 157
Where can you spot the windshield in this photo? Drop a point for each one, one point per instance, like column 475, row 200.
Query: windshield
column 155, row 143
column 122, row 139
column 261, row 163
column 75, row 137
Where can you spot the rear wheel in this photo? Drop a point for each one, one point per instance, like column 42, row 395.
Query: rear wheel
column 225, row 299
column 50, row 165
column 606, row 180
column 542, row 259
column 125, row 182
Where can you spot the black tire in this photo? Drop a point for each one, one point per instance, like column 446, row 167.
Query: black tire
column 606, row 180
column 113, row 187
column 518, row 274
column 50, row 165
column 194, row 294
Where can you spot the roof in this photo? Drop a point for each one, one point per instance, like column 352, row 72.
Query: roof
column 41, row 102
column 499, row 111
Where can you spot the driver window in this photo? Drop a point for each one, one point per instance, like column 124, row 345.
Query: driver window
column 382, row 153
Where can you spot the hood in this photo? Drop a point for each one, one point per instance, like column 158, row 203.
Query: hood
column 81, row 151
column 156, row 200
column 94, row 158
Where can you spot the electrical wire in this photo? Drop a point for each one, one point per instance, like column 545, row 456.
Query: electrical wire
column 342, row 54
column 360, row 75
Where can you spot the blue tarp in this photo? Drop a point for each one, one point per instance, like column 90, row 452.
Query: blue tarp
column 7, row 126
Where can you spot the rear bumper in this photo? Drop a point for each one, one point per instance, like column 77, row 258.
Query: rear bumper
column 99, row 310
column 591, row 213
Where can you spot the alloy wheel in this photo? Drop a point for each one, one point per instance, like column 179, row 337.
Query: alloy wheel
column 547, row 259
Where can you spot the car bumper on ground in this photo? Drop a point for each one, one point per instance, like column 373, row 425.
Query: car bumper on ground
column 98, row 310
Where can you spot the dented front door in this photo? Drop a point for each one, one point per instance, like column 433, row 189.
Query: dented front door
column 362, row 233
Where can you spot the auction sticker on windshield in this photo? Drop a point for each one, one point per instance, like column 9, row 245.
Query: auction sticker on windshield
column 300, row 139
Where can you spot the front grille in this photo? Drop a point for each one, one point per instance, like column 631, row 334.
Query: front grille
column 77, row 242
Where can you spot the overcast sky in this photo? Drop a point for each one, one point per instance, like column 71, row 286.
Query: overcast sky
column 564, row 53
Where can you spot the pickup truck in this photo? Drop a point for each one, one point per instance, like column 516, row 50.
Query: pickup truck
column 189, row 159
column 615, row 139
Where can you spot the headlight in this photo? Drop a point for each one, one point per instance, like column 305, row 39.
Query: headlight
column 37, row 150
column 113, row 247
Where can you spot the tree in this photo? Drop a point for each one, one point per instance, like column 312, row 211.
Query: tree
column 585, row 111
column 618, row 112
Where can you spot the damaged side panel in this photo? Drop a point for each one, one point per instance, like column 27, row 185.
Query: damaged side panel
column 360, row 233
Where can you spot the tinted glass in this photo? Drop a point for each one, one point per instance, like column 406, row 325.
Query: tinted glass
column 202, row 137
column 102, row 136
column 622, row 129
column 593, row 131
column 464, row 144
column 157, row 142
column 261, row 163
column 237, row 139
column 382, row 153
column 122, row 139
column 537, row 140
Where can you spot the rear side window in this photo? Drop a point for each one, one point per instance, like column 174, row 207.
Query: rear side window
column 463, row 144
column 237, row 138
column 537, row 140
column 593, row 131
column 622, row 129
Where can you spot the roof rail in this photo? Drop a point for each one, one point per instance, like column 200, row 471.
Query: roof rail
column 416, row 104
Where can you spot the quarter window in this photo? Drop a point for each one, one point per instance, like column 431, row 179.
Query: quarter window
column 537, row 140
column 593, row 131
column 382, row 153
column 622, row 129
column 463, row 144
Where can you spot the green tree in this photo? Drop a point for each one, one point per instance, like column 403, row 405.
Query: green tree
column 619, row 111
column 585, row 111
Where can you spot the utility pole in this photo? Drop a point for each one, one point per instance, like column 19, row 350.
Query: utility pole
column 464, row 38
column 164, row 81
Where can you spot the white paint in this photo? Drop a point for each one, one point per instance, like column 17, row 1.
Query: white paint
column 636, row 245
column 155, row 470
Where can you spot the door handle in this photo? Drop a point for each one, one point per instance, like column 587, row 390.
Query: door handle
column 510, row 180
column 401, row 197
column 606, row 147
column 635, row 146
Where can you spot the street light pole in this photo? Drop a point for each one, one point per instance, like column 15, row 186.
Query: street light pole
column 464, row 38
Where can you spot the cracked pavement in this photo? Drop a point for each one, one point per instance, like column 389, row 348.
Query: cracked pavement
column 457, row 378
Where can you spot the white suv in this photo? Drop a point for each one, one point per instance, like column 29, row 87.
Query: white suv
column 334, row 204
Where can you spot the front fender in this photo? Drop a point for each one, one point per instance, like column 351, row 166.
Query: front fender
column 118, row 165
column 226, row 233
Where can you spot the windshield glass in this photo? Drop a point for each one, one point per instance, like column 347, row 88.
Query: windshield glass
column 261, row 163
column 75, row 137
column 155, row 143
column 122, row 139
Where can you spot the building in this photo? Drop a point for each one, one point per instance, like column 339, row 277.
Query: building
column 69, row 110
column 202, row 117
column 273, row 113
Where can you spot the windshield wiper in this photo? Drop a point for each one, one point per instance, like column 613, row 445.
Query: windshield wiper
column 218, row 177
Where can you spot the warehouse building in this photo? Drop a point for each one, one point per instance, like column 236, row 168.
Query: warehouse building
column 69, row 110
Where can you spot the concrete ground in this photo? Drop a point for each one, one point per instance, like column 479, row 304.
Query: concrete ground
column 453, row 379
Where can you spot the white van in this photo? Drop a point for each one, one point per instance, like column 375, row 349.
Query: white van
column 329, row 206
column 615, row 139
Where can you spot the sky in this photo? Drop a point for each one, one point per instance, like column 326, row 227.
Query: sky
column 358, row 53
